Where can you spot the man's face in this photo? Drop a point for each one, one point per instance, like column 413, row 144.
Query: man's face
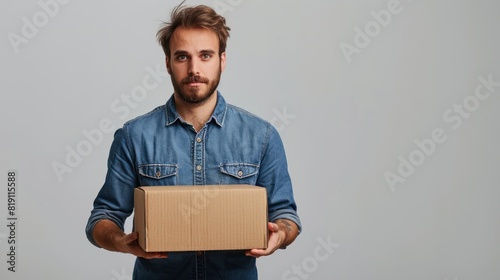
column 194, row 64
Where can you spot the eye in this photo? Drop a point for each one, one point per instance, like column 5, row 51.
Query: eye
column 181, row 57
column 206, row 56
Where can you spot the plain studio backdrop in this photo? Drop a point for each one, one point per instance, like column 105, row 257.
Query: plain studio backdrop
column 389, row 112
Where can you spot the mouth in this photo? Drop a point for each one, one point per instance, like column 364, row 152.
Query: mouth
column 193, row 84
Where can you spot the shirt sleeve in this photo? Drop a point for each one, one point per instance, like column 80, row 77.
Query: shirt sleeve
column 115, row 200
column 275, row 178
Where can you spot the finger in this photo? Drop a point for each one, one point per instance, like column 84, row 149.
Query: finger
column 258, row 253
column 138, row 251
column 161, row 255
column 251, row 254
column 155, row 255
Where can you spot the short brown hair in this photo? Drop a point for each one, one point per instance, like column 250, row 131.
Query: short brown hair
column 194, row 17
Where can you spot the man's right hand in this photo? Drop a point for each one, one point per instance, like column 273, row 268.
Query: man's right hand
column 110, row 237
column 128, row 244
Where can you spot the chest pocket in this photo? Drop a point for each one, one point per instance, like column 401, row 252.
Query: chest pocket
column 238, row 173
column 158, row 174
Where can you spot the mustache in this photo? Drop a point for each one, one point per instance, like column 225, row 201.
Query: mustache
column 194, row 79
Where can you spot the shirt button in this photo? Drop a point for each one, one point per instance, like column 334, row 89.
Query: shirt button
column 240, row 173
column 198, row 167
column 198, row 140
column 198, row 253
column 158, row 174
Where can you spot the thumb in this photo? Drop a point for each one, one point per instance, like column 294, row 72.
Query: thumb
column 272, row 227
column 129, row 238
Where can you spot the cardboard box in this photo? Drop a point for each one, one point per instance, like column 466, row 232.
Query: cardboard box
column 201, row 218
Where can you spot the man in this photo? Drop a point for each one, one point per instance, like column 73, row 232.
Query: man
column 196, row 138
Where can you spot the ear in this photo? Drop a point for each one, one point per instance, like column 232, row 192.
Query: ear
column 167, row 63
column 222, row 61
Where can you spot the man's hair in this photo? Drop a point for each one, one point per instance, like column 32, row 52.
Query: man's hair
column 193, row 17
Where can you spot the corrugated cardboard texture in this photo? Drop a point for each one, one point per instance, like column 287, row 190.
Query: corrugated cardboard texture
column 201, row 218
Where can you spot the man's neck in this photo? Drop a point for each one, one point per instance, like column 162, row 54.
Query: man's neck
column 196, row 114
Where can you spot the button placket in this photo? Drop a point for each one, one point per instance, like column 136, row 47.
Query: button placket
column 198, row 158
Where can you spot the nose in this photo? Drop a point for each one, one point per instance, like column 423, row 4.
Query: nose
column 193, row 67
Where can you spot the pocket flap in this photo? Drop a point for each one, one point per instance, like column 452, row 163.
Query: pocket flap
column 158, row 170
column 239, row 170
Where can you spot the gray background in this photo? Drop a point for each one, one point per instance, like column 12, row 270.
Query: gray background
column 346, row 120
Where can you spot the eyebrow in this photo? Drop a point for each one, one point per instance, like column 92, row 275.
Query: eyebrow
column 180, row 52
column 183, row 52
column 208, row 51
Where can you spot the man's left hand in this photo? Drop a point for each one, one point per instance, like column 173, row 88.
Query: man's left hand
column 279, row 236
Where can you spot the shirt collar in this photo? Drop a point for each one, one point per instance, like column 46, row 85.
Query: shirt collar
column 218, row 115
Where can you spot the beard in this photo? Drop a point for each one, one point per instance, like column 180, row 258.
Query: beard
column 195, row 95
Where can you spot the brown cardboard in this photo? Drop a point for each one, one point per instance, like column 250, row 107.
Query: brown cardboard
column 200, row 218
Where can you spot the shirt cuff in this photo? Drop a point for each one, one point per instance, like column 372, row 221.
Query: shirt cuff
column 288, row 214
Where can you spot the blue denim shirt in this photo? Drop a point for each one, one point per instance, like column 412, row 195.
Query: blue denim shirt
column 160, row 149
